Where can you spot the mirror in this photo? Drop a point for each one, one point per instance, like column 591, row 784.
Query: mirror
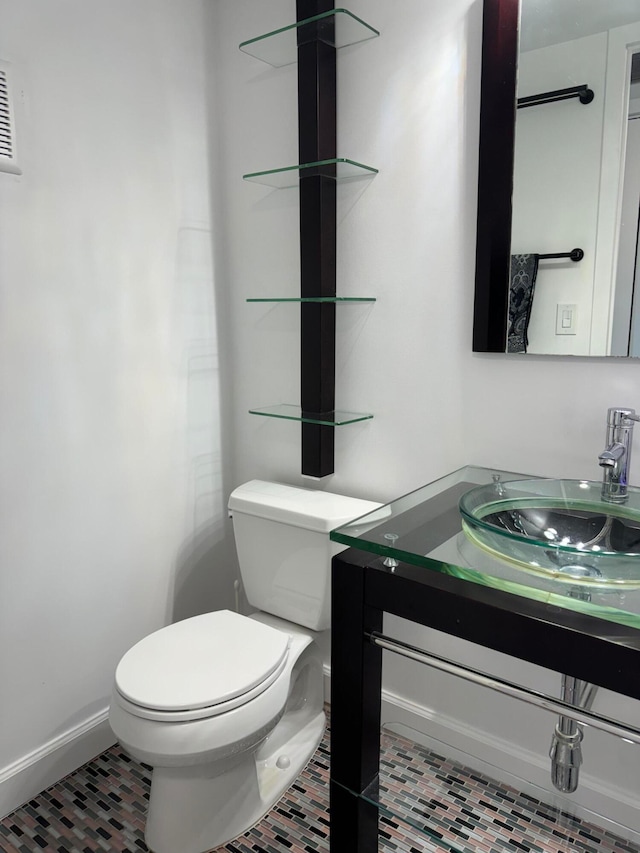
column 559, row 179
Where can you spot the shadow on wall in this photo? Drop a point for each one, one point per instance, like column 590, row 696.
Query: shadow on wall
column 206, row 565
column 206, row 568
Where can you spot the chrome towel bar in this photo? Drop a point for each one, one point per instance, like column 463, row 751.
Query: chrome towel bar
column 508, row 688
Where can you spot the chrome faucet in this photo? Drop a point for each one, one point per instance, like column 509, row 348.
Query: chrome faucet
column 615, row 459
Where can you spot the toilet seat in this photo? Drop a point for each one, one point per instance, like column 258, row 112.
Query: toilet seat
column 200, row 667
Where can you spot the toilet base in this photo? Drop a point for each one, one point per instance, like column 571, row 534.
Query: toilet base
column 194, row 811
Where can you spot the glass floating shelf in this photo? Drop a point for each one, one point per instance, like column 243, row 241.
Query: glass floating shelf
column 340, row 168
column 280, row 47
column 294, row 413
column 336, row 299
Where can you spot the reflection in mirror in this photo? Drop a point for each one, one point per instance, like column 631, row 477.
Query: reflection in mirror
column 559, row 196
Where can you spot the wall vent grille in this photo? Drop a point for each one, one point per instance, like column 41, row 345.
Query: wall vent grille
column 8, row 155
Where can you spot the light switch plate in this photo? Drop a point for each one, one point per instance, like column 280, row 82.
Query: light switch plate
column 566, row 319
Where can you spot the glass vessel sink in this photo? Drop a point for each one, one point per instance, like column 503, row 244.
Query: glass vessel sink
column 559, row 529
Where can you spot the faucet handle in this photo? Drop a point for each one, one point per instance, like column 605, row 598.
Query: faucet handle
column 619, row 416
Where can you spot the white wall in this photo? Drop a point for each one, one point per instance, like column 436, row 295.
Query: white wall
column 556, row 186
column 568, row 182
column 622, row 333
column 110, row 442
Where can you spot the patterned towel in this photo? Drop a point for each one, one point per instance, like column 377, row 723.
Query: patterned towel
column 524, row 269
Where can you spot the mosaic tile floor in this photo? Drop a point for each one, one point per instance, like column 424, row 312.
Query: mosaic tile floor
column 101, row 807
column 472, row 813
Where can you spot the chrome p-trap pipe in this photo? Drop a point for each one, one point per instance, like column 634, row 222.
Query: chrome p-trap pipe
column 508, row 688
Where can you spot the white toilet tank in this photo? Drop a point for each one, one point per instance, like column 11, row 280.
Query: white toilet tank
column 284, row 550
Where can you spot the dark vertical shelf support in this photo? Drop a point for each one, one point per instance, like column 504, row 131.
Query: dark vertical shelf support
column 317, row 141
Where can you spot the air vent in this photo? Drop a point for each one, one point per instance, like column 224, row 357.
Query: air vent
column 8, row 154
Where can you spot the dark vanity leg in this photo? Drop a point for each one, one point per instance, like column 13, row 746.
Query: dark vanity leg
column 356, row 682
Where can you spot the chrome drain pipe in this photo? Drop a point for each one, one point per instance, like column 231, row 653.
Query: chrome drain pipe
column 566, row 744
column 566, row 757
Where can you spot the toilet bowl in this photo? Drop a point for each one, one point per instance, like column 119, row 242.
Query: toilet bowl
column 228, row 709
column 225, row 734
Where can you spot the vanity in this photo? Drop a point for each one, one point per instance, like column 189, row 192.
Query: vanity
column 412, row 559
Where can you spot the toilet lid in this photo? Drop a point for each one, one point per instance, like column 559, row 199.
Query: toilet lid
column 200, row 662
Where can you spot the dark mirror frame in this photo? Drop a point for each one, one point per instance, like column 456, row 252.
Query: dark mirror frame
column 495, row 175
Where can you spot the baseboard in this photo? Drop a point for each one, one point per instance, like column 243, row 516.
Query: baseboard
column 595, row 801
column 25, row 778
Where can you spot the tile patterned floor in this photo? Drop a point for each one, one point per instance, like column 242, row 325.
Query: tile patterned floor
column 101, row 807
column 473, row 813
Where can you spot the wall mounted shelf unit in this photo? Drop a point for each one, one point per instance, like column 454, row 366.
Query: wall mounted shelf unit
column 337, row 299
column 337, row 27
column 294, row 413
column 320, row 29
column 337, row 168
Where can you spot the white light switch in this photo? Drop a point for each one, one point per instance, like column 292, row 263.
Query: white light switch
column 566, row 319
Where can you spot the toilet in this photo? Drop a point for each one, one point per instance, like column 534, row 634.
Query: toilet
column 228, row 709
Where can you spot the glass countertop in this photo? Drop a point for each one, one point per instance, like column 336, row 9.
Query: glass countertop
column 424, row 528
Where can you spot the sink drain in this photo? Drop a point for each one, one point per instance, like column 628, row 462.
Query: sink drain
column 578, row 571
